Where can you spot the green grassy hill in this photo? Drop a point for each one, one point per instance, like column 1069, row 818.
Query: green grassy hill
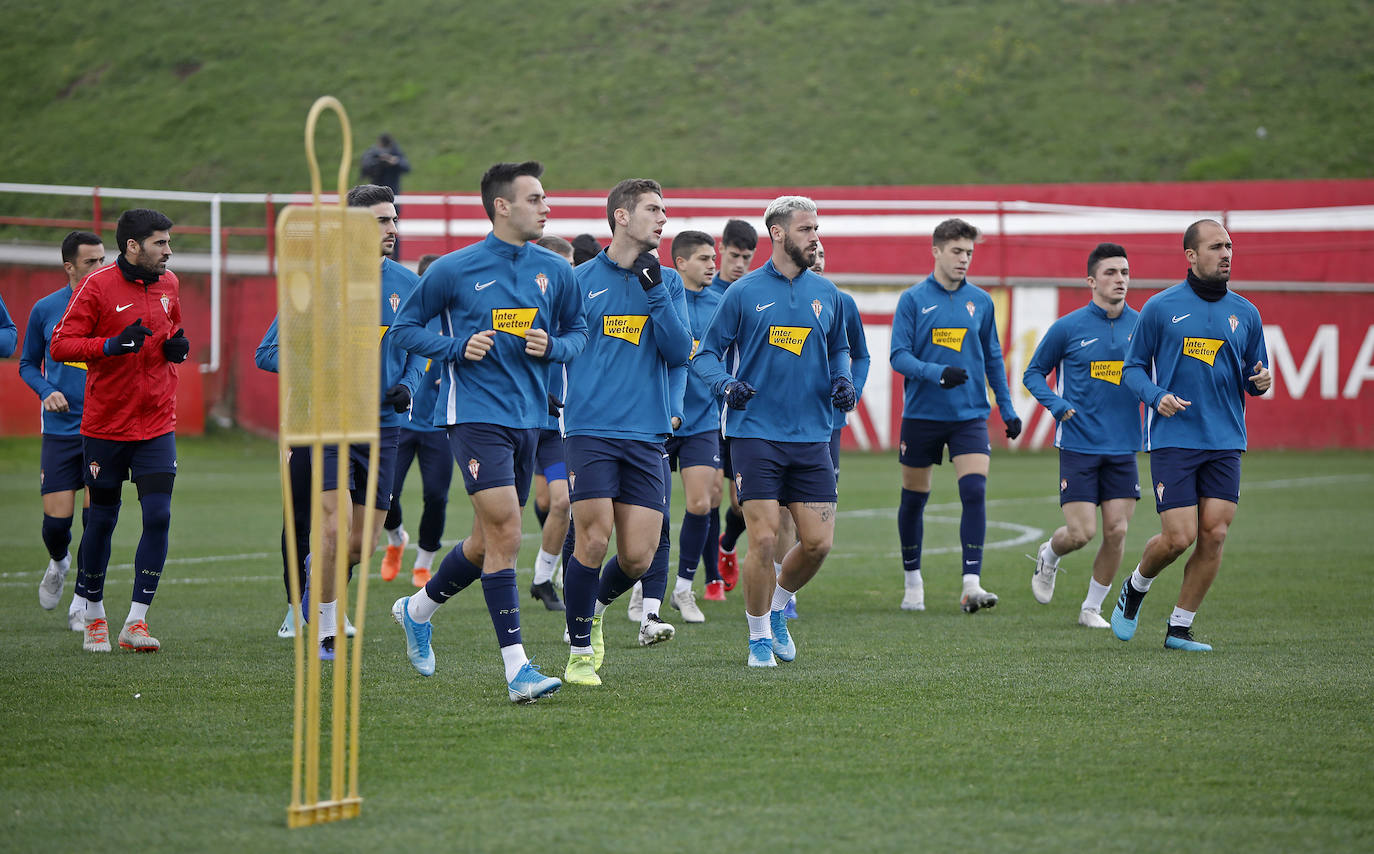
column 205, row 96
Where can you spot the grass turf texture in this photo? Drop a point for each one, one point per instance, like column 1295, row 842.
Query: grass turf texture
column 1013, row 729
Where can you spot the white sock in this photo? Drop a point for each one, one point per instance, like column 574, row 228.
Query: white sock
column 329, row 619
column 78, row 605
column 1097, row 594
column 579, row 650
column 651, row 606
column 64, row 564
column 543, row 566
column 95, row 610
column 514, row 658
column 424, row 559
column 912, row 578
column 1049, row 555
column 971, row 582
column 421, row 607
column 138, row 612
column 599, row 608
column 758, row 626
column 781, row 596
column 777, row 568
column 396, row 537
column 1182, row 618
column 682, row 584
column 1140, row 582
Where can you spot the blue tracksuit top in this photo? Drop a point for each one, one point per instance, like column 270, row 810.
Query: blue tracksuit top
column 426, row 397
column 719, row 285
column 512, row 289
column 557, row 388
column 1203, row 352
column 627, row 383
column 934, row 328
column 45, row 376
column 9, row 333
column 790, row 344
column 700, row 408
column 859, row 359
column 397, row 366
column 1086, row 349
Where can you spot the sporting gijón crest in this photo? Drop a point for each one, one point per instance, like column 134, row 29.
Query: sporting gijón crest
column 543, row 282
column 816, row 307
column 394, row 301
column 473, row 468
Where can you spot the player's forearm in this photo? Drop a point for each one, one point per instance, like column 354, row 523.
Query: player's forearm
column 860, row 368
column 1138, row 381
column 413, row 337
column 671, row 335
column 905, row 363
column 565, row 347
column 65, row 348
column 1036, row 383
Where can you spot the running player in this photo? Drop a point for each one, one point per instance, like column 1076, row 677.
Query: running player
column 1098, row 432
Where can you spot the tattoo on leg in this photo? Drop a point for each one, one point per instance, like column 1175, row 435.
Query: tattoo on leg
column 823, row 509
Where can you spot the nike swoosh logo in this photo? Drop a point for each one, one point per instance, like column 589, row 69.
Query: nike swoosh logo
column 595, row 294
column 513, row 631
column 1177, row 319
column 928, row 309
column 480, row 285
column 758, row 307
column 128, row 343
column 970, row 563
column 1086, row 343
column 122, row 307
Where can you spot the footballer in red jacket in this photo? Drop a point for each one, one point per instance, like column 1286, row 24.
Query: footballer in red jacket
column 124, row 322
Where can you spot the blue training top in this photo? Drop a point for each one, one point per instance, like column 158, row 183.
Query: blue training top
column 9, row 333
column 930, row 331
column 45, row 376
column 1086, row 350
column 700, row 408
column 619, row 386
column 511, row 289
column 791, row 343
column 859, row 359
column 1204, row 352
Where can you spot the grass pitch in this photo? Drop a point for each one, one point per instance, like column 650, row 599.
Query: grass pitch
column 1013, row 729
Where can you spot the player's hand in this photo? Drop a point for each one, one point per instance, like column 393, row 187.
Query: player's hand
column 128, row 341
column 397, row 397
column 647, row 269
column 176, row 348
column 479, row 344
column 1013, row 428
column 842, row 394
column 1068, row 413
column 555, row 406
column 737, row 393
column 56, row 402
column 536, row 342
column 952, row 376
column 1171, row 404
column 1261, row 378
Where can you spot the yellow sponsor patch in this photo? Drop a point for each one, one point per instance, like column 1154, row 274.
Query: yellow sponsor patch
column 695, row 344
column 789, row 338
column 381, row 332
column 951, row 338
column 1203, row 349
column 80, row 366
column 516, row 321
column 1108, row 372
column 626, row 327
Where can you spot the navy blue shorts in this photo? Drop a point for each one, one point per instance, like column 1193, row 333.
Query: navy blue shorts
column 60, row 464
column 698, row 449
column 923, row 440
column 1183, row 475
column 358, row 455
column 430, row 447
column 835, row 450
column 548, row 456
column 490, row 455
column 784, row 471
column 110, row 461
column 726, row 464
column 1096, row 478
column 626, row 470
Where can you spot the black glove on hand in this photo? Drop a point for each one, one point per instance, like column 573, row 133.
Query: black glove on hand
column 737, row 393
column 555, row 406
column 397, row 397
column 128, row 341
column 952, row 376
column 842, row 394
column 1013, row 428
column 647, row 270
column 177, row 347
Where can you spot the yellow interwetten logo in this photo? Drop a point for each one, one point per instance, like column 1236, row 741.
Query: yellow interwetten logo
column 81, row 366
column 626, row 327
column 695, row 344
column 1108, row 372
column 789, row 338
column 950, row 338
column 381, row 332
column 1202, row 349
column 516, row 321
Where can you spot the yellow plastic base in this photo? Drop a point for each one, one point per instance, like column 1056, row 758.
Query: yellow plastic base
column 324, row 811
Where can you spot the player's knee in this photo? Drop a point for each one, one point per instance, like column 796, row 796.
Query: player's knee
column 1114, row 532
column 973, row 489
column 698, row 505
column 157, row 511
column 1213, row 536
column 558, row 506
column 1080, row 535
column 1178, row 542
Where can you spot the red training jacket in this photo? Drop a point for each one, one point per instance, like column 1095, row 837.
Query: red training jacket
column 129, row 397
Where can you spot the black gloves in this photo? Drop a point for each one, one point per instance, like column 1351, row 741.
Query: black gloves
column 555, row 406
column 1013, row 428
column 128, row 341
column 646, row 268
column 952, row 376
column 397, row 397
column 737, row 393
column 842, row 394
column 176, row 348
